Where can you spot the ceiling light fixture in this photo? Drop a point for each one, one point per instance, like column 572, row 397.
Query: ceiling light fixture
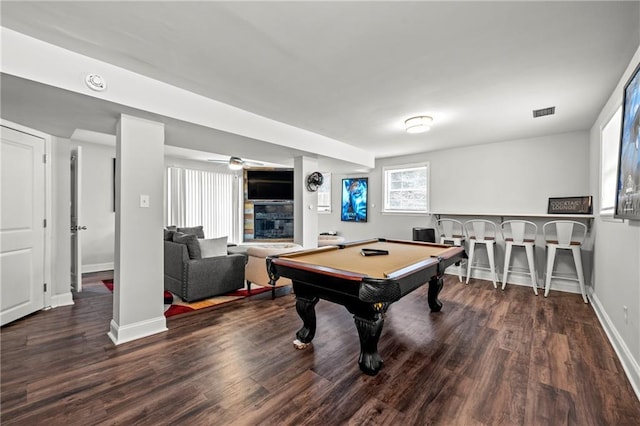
column 235, row 163
column 419, row 124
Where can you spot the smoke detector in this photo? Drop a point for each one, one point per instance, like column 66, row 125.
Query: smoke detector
column 95, row 82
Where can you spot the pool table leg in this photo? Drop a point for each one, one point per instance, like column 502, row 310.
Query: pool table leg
column 435, row 285
column 369, row 331
column 307, row 312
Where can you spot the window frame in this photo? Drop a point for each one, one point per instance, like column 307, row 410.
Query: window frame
column 385, row 191
column 326, row 183
column 609, row 150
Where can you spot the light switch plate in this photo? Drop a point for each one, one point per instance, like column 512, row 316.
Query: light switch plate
column 144, row 201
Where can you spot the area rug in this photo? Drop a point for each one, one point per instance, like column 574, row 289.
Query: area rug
column 173, row 305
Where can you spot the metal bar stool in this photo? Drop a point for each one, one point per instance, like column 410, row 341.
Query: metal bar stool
column 564, row 235
column 520, row 233
column 451, row 232
column 480, row 231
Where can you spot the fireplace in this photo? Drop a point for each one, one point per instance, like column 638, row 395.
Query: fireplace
column 272, row 220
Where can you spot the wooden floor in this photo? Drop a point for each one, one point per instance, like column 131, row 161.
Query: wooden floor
column 489, row 358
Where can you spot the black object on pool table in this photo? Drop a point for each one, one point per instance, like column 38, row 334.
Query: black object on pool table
column 339, row 274
column 373, row 252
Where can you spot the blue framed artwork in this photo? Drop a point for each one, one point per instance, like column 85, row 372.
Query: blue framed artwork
column 628, row 195
column 354, row 200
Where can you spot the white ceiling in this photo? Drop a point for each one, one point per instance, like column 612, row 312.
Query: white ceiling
column 350, row 71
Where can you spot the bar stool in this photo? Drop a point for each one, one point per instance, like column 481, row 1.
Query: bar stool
column 480, row 231
column 564, row 235
column 520, row 233
column 451, row 232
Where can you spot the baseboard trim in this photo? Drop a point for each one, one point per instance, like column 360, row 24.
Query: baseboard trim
column 629, row 364
column 97, row 267
column 517, row 278
column 120, row 334
column 65, row 299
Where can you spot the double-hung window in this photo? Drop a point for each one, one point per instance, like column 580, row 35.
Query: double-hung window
column 324, row 194
column 406, row 188
column 210, row 199
column 610, row 146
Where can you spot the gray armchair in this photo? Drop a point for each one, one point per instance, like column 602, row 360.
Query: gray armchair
column 196, row 279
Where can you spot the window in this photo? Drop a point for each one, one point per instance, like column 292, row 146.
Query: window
column 609, row 145
column 324, row 194
column 406, row 188
column 210, row 199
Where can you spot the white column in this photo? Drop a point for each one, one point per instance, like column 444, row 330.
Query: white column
column 305, row 206
column 138, row 306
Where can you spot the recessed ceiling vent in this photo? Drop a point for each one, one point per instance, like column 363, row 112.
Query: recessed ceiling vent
column 544, row 111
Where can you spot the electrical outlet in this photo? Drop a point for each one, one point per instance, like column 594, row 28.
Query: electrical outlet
column 626, row 314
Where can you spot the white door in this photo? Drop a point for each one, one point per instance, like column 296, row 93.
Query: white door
column 76, row 221
column 21, row 224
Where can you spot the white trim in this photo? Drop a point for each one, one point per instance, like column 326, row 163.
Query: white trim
column 629, row 364
column 97, row 267
column 126, row 333
column 518, row 278
column 397, row 167
column 609, row 210
column 65, row 299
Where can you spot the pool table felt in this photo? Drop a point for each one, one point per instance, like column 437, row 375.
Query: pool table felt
column 349, row 258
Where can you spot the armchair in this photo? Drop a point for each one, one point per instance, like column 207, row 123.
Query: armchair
column 196, row 279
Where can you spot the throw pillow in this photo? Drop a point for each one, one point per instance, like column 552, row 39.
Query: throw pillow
column 193, row 248
column 195, row 230
column 213, row 247
column 168, row 234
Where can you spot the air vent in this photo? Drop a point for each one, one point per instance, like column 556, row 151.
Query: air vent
column 544, row 111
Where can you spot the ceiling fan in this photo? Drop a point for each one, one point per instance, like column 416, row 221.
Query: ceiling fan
column 237, row 163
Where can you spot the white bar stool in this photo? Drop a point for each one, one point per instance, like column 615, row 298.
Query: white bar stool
column 451, row 232
column 480, row 231
column 520, row 233
column 564, row 235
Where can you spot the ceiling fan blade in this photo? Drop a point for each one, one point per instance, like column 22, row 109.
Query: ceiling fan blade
column 237, row 162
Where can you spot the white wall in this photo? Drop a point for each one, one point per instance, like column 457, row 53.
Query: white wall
column 97, row 206
column 503, row 177
column 617, row 258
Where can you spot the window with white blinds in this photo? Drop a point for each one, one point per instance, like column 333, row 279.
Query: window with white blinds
column 609, row 146
column 210, row 199
column 324, row 194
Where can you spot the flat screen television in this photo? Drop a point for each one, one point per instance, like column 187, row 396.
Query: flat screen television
column 270, row 184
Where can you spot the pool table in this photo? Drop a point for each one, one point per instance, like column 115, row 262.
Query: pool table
column 364, row 284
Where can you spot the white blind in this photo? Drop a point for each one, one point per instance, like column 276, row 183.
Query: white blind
column 210, row 199
column 610, row 146
column 324, row 193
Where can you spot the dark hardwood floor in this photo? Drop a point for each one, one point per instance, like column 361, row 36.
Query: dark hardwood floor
column 489, row 358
